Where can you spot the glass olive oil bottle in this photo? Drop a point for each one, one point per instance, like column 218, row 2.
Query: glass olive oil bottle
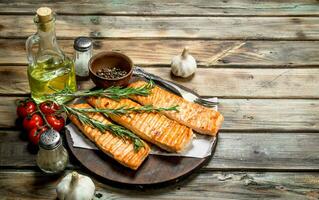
column 49, row 68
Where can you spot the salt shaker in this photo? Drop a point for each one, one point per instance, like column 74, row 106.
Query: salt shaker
column 52, row 156
column 83, row 53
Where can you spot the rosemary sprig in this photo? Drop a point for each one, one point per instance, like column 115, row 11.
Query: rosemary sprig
column 115, row 129
column 124, row 110
column 112, row 92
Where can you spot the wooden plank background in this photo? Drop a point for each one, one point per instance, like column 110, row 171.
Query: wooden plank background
column 260, row 58
column 208, row 53
column 229, row 83
column 221, row 28
column 167, row 7
column 206, row 185
column 245, row 151
column 251, row 115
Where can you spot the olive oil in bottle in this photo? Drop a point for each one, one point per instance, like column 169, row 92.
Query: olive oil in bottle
column 45, row 76
column 49, row 70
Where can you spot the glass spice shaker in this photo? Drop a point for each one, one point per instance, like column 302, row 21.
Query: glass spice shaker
column 52, row 156
column 83, row 53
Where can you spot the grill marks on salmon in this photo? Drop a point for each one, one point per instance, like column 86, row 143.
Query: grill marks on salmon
column 201, row 119
column 122, row 150
column 152, row 127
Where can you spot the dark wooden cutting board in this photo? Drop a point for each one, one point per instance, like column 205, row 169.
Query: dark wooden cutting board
column 156, row 170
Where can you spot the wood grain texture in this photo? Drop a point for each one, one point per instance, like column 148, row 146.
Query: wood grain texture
column 270, row 114
column 208, row 53
column 207, row 185
column 239, row 28
column 236, row 151
column 240, row 114
column 167, row 7
column 221, row 82
column 15, row 151
column 261, row 83
column 268, row 151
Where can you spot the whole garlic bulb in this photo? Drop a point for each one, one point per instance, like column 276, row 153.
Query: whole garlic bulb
column 75, row 186
column 183, row 65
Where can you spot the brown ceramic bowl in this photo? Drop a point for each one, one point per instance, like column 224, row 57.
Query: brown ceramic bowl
column 110, row 60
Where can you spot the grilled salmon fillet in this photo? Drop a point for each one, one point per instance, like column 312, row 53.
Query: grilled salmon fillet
column 152, row 127
column 122, row 150
column 201, row 119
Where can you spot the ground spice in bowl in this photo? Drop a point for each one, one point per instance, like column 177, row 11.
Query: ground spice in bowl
column 111, row 73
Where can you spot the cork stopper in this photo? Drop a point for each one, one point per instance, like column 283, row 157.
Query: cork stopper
column 44, row 14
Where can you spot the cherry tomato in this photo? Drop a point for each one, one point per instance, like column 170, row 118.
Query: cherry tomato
column 56, row 122
column 32, row 121
column 35, row 133
column 49, row 107
column 26, row 107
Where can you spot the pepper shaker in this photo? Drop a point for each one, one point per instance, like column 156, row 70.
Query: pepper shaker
column 83, row 53
column 52, row 156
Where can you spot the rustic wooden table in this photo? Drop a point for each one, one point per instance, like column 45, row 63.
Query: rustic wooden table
column 260, row 58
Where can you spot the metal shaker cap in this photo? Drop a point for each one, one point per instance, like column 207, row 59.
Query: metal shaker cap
column 50, row 139
column 82, row 43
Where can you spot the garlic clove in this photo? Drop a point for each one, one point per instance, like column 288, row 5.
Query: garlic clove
column 174, row 65
column 63, row 187
column 183, row 65
column 75, row 186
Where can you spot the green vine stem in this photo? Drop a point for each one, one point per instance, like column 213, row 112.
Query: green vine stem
column 43, row 115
